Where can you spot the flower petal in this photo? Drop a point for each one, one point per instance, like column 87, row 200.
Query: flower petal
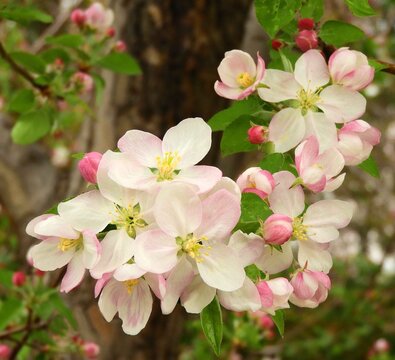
column 281, row 86
column 248, row 247
column 197, row 295
column 273, row 261
column 311, row 70
column 204, row 177
column 128, row 272
column 74, row 274
column 56, row 226
column 318, row 125
column 32, row 223
column 92, row 249
column 233, row 64
column 109, row 299
column 314, row 255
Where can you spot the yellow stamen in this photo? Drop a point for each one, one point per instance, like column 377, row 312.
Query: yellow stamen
column 245, row 80
column 129, row 218
column 167, row 165
column 299, row 229
column 307, row 99
column 70, row 244
column 195, row 247
column 130, row 284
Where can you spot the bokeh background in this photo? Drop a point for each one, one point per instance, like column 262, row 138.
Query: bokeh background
column 179, row 45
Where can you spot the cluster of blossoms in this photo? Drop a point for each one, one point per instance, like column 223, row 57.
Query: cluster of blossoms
column 158, row 225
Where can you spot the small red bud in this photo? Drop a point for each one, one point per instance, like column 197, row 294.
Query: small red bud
column 78, row 17
column 18, row 278
column 39, row 273
column 306, row 24
column 257, row 134
column 110, row 32
column 306, row 40
column 277, row 44
column 5, row 352
column 59, row 64
column 120, row 46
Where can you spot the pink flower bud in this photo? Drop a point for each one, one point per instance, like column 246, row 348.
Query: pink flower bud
column 5, row 352
column 78, row 17
column 110, row 32
column 18, row 278
column 98, row 17
column 88, row 166
column 120, row 46
column 310, row 288
column 306, row 40
column 91, row 350
column 274, row 294
column 257, row 181
column 257, row 134
column 356, row 141
column 266, row 322
column 306, row 24
column 277, row 229
column 277, row 44
column 381, row 345
column 83, row 81
column 1, row 103
column 39, row 273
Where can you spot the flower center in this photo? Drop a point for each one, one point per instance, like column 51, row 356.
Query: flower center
column 129, row 219
column 167, row 166
column 245, row 80
column 70, row 244
column 307, row 99
column 130, row 284
column 299, row 229
column 194, row 247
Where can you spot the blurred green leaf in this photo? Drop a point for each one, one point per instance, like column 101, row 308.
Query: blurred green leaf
column 31, row 126
column 253, row 272
column 378, row 66
column 22, row 101
column 6, row 278
column 29, row 61
column 9, row 309
column 278, row 319
column 212, row 325
column 339, row 33
column 312, row 9
column 253, row 209
column 58, row 303
column 120, row 63
column 360, row 8
column 370, row 166
column 24, row 14
column 67, row 40
column 277, row 162
column 50, row 55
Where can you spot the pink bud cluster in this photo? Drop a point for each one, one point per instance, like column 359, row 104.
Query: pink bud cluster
column 96, row 17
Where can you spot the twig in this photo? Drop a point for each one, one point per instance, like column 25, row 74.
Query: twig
column 25, row 337
column 8, row 333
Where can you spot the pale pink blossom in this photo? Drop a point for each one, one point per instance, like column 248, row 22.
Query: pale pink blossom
column 318, row 172
column 83, row 82
column 257, row 134
column 274, row 294
column 356, row 141
column 277, row 229
column 98, row 17
column 310, row 288
column 88, row 166
column 64, row 245
column 306, row 89
column 146, row 162
column 239, row 75
column 381, row 345
column 350, row 68
column 193, row 230
column 306, row 40
column 257, row 181
column 91, row 350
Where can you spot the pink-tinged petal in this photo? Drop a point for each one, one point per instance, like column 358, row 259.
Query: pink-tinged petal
column 56, row 226
column 341, row 63
column 32, row 223
column 191, row 139
column 335, row 183
column 314, row 255
column 318, row 125
column 282, row 290
column 112, row 294
column 235, row 63
column 228, row 92
column 47, row 256
column 179, row 278
column 284, row 199
column 309, row 303
column 202, row 176
column 74, row 274
column 322, row 278
column 311, row 70
column 360, row 78
column 157, row 283
column 142, row 146
column 265, row 294
column 221, row 268
column 322, row 234
column 305, row 285
column 260, row 69
column 335, row 213
column 92, row 249
column 128, row 272
column 221, row 212
column 353, row 148
column 197, row 295
column 340, row 104
column 306, row 153
column 287, row 129
column 244, row 299
column 314, row 182
column 101, row 283
column 226, row 184
column 248, row 247
column 331, row 161
column 178, row 209
column 281, row 86
column 89, row 211
column 155, row 251
column 136, row 309
column 273, row 261
column 117, row 249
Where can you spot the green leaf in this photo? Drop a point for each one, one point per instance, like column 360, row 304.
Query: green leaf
column 10, row 309
column 278, row 319
column 121, row 63
column 212, row 325
column 225, row 117
column 287, row 64
column 22, row 101
column 360, row 8
column 339, row 33
column 31, row 126
column 29, row 61
column 378, row 66
column 6, row 278
column 24, row 14
column 277, row 162
column 312, row 9
column 273, row 15
column 67, row 40
column 253, row 209
column 235, row 139
column 253, row 272
column 78, row 156
column 370, row 166
column 50, row 55
column 58, row 303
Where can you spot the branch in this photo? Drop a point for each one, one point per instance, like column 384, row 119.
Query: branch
column 9, row 333
column 25, row 337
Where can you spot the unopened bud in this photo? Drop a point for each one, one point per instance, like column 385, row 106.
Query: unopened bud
column 306, row 40
column 277, row 229
column 306, row 24
column 83, row 81
column 277, row 44
column 78, row 17
column 91, row 350
column 120, row 46
column 110, row 32
column 88, row 166
column 5, row 352
column 381, row 345
column 18, row 278
column 257, row 134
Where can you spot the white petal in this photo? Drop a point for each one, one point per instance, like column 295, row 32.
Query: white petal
column 92, row 249
column 109, row 299
column 128, row 272
column 55, row 226
column 335, row 183
column 273, row 261
column 74, row 274
column 235, row 63
column 282, row 86
column 197, row 296
column 224, row 183
column 201, row 176
column 32, row 223
column 157, row 283
column 322, row 234
column 322, row 128
column 248, row 247
column 311, row 70
column 315, row 256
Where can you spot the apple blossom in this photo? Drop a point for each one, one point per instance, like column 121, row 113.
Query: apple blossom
column 306, row 88
column 310, row 288
column 277, row 229
column 356, row 141
column 318, row 172
column 239, row 75
column 350, row 68
column 88, row 166
column 306, row 40
column 98, row 17
column 145, row 160
column 257, row 134
column 257, row 181
column 274, row 294
column 83, row 82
